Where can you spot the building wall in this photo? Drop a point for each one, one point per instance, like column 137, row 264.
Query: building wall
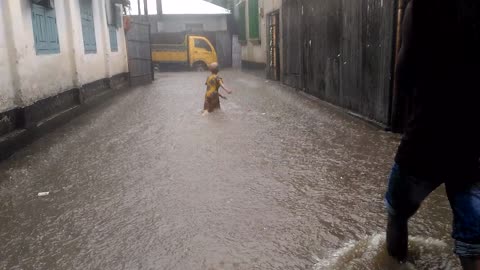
column 37, row 77
column 176, row 23
column 40, row 76
column 7, row 94
column 257, row 52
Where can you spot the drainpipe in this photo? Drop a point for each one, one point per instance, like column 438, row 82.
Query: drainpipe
column 75, row 55
column 396, row 118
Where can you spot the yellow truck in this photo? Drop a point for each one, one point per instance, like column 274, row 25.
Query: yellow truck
column 195, row 52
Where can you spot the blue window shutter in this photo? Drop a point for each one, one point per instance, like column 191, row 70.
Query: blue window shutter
column 51, row 26
column 44, row 24
column 113, row 38
column 88, row 26
column 38, row 15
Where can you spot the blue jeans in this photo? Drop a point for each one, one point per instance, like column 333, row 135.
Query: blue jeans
column 405, row 193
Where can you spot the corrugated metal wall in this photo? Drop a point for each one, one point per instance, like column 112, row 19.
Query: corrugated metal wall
column 341, row 51
column 292, row 43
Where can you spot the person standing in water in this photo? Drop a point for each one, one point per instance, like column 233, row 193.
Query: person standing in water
column 438, row 67
column 214, row 83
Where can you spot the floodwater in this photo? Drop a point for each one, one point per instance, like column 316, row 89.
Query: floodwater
column 274, row 181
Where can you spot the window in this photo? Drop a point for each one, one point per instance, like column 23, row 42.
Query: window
column 112, row 30
column 45, row 33
column 88, row 26
column 241, row 22
column 253, row 19
column 200, row 43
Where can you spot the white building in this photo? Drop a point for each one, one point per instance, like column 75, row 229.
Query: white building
column 259, row 27
column 53, row 50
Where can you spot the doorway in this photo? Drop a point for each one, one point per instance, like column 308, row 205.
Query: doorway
column 273, row 53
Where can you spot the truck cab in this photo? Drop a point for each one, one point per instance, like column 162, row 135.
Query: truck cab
column 201, row 52
column 197, row 52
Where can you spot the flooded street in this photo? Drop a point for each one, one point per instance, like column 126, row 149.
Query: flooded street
column 273, row 181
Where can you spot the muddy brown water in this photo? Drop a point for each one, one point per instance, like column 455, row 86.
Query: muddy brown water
column 273, row 181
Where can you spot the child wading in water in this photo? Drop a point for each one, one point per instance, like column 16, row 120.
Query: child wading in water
column 212, row 97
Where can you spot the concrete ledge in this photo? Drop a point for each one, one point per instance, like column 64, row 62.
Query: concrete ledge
column 292, row 80
column 343, row 110
column 23, row 126
column 370, row 121
column 253, row 65
column 50, row 106
column 10, row 120
column 90, row 90
column 118, row 81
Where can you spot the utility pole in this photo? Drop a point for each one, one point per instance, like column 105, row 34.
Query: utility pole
column 147, row 21
column 159, row 7
column 139, row 8
column 145, row 6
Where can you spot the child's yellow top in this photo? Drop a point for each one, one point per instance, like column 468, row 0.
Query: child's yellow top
column 213, row 84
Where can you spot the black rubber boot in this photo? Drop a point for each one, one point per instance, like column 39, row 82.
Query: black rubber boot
column 397, row 238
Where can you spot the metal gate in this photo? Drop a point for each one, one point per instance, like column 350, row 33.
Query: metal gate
column 341, row 52
column 139, row 54
column 273, row 46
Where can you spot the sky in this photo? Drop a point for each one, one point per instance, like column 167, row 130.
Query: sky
column 178, row 7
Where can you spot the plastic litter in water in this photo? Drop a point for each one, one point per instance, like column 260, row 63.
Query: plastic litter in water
column 43, row 194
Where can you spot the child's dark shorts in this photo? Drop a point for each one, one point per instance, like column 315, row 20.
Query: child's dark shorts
column 212, row 102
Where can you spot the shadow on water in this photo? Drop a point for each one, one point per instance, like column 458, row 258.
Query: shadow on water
column 370, row 253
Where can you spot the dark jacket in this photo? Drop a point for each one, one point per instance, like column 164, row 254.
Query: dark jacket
column 439, row 65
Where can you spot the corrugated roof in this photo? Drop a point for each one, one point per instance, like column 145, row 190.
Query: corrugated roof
column 192, row 7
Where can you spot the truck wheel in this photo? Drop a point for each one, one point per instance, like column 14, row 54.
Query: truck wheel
column 200, row 67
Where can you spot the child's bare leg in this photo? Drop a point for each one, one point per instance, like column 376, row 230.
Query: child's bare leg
column 205, row 112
